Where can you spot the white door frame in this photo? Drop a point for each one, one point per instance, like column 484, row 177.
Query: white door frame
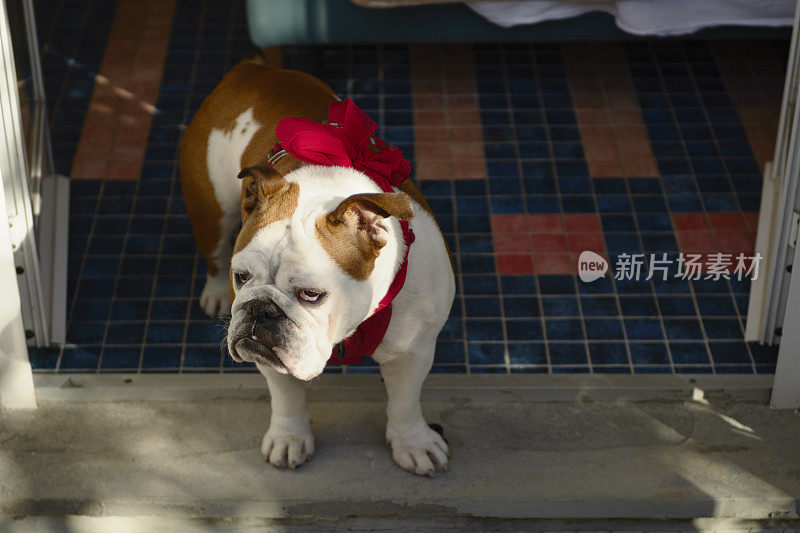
column 773, row 313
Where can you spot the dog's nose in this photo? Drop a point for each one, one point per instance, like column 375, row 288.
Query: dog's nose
column 263, row 310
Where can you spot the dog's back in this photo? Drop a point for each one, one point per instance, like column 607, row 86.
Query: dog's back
column 233, row 129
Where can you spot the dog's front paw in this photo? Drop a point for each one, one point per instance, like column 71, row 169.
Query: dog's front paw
column 420, row 450
column 215, row 300
column 287, row 448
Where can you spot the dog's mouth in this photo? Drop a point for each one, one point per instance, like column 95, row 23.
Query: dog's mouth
column 250, row 350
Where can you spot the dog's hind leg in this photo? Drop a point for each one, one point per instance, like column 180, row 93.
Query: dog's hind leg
column 214, row 219
column 210, row 162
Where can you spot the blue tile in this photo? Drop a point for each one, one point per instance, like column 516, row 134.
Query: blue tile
column 505, row 205
column 202, row 356
column 578, row 204
column 479, row 284
column 117, row 358
column 516, row 284
column 128, row 309
column 486, row 354
column 539, row 186
column 125, row 333
column 80, row 357
column 608, row 353
column 690, row 353
column 638, row 306
column 649, row 353
column 567, row 354
column 715, row 306
column 729, row 352
column 86, row 332
column 530, row 353
column 522, row 330
column 560, row 306
column 762, row 353
column 556, row 284
column 91, row 309
column 482, row 307
column 488, row 370
column 680, row 329
column 599, row 306
column 643, row 329
column 448, row 352
column 477, row 264
column 165, row 332
column 205, row 332
column 44, row 358
column 484, row 329
column 723, row 328
column 564, row 329
column 520, row 307
column 603, row 329
column 676, row 306
column 604, row 285
column 161, row 357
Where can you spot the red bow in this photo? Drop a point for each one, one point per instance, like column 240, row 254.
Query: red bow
column 345, row 142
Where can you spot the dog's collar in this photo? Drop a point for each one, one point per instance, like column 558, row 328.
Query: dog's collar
column 276, row 155
column 346, row 140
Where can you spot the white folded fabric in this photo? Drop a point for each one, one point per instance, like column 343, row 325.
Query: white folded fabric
column 645, row 17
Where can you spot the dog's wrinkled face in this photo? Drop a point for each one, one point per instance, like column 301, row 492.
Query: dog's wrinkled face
column 303, row 264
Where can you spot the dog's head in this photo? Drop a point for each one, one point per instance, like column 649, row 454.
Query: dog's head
column 307, row 263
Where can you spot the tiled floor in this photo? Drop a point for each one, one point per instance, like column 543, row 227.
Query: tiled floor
column 529, row 154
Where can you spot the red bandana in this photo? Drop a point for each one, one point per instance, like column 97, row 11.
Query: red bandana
column 347, row 142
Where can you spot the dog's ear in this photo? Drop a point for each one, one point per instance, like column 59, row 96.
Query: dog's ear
column 258, row 184
column 354, row 233
column 266, row 198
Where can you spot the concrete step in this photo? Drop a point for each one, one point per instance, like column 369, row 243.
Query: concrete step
column 575, row 449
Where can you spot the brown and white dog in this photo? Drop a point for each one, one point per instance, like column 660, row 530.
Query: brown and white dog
column 318, row 248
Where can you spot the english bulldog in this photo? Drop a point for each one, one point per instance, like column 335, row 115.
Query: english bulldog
column 338, row 254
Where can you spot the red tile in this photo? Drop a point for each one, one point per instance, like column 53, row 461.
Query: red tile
column 510, row 224
column 468, row 169
column 582, row 222
column 430, row 134
column 88, row 169
column 507, row 243
column 751, row 219
column 514, row 264
column 727, row 221
column 696, row 241
column 734, row 242
column 593, row 241
column 433, row 169
column 690, row 221
column 466, row 134
column 124, row 170
column 555, row 263
column 549, row 223
column 604, row 168
column 550, row 242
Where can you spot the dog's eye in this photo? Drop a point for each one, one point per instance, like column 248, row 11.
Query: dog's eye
column 241, row 277
column 309, row 295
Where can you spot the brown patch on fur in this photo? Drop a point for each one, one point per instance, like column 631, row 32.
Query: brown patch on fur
column 273, row 94
column 266, row 198
column 349, row 234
